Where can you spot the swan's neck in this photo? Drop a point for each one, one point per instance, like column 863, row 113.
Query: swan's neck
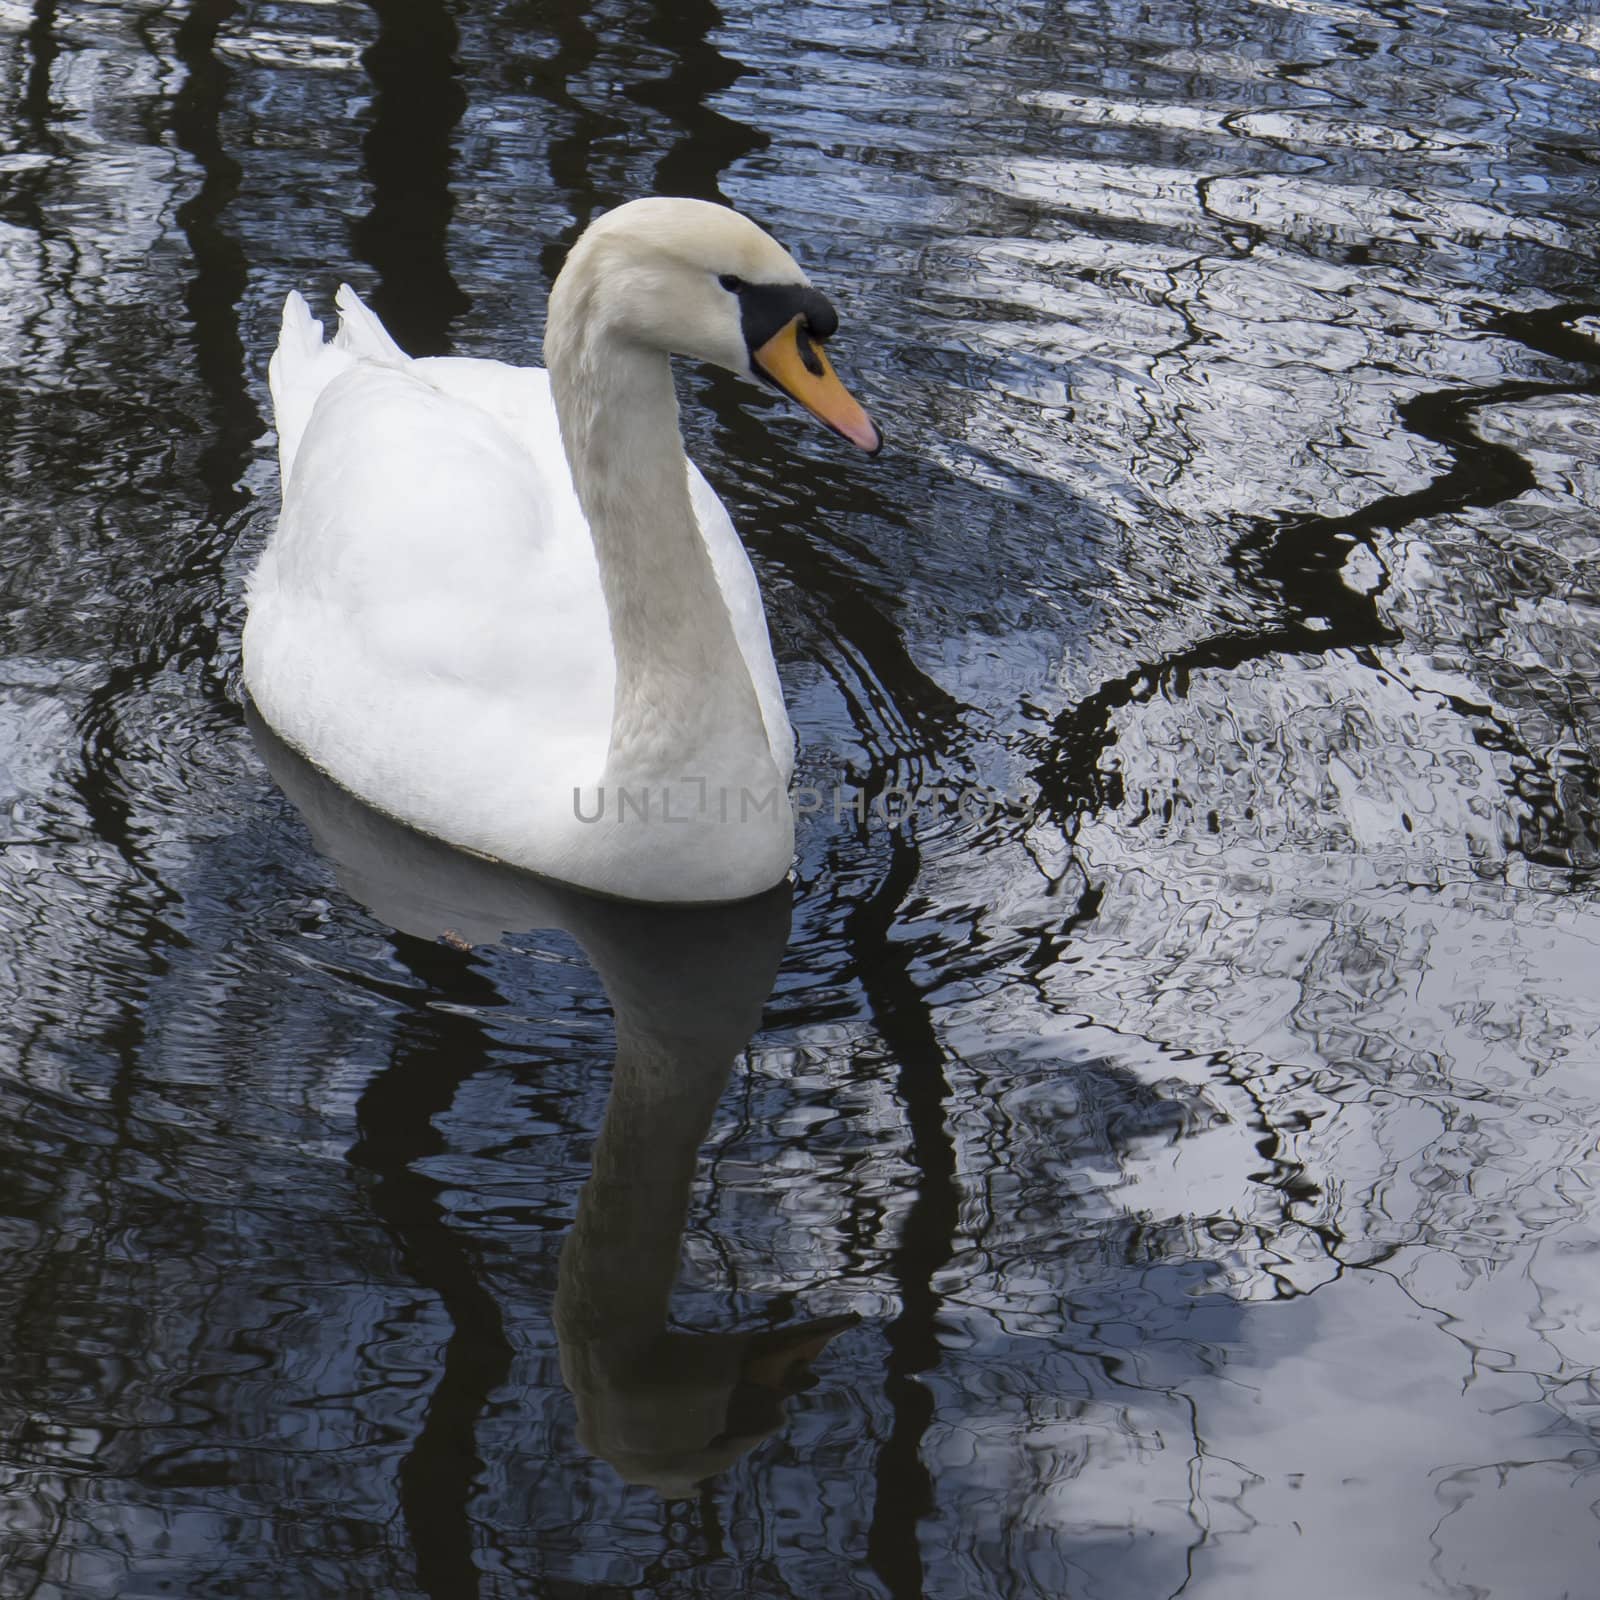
column 685, row 707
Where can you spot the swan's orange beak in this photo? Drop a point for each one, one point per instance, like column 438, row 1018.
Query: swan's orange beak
column 794, row 361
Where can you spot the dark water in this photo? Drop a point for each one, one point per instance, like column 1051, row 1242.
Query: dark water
column 1183, row 1176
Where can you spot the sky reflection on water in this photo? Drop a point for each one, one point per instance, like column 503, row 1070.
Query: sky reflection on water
column 1205, row 1148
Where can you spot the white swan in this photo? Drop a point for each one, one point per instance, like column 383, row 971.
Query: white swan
column 500, row 604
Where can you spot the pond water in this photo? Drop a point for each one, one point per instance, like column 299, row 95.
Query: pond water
column 1172, row 1147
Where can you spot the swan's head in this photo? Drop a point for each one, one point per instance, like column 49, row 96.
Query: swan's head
column 696, row 279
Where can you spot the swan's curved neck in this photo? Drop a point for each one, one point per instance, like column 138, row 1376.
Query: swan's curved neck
column 684, row 699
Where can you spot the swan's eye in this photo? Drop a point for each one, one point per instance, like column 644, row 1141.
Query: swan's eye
column 731, row 282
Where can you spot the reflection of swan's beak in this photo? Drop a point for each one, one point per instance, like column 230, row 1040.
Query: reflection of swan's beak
column 794, row 361
column 775, row 1366
column 779, row 1359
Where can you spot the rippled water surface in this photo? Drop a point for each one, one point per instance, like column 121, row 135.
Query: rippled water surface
column 1178, row 1172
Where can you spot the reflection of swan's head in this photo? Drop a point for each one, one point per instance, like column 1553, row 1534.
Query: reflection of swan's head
column 687, row 1406
column 689, row 278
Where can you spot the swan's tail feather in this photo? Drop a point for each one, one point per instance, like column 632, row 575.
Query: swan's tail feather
column 301, row 368
column 304, row 364
column 299, row 331
column 360, row 332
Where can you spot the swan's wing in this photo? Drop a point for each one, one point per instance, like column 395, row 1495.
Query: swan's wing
column 742, row 596
column 519, row 399
column 442, row 542
column 428, row 614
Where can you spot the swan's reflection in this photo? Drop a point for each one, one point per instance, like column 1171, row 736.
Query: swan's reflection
column 665, row 1408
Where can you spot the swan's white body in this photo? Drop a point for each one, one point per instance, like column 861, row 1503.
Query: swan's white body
column 439, row 625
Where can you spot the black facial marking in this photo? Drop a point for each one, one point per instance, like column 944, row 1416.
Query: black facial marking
column 767, row 308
